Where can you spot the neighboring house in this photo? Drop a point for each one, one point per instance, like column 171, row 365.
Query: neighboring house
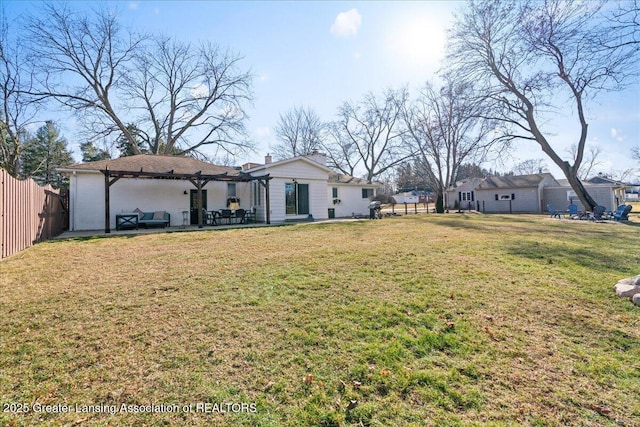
column 513, row 193
column 607, row 194
column 527, row 194
column 300, row 188
column 463, row 195
column 304, row 186
column 631, row 191
column 411, row 197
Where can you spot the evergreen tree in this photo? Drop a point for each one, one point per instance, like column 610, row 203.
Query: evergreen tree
column 91, row 153
column 125, row 145
column 45, row 152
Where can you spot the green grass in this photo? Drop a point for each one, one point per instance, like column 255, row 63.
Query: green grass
column 421, row 320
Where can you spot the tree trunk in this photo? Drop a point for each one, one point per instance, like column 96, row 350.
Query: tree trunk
column 576, row 185
column 440, row 202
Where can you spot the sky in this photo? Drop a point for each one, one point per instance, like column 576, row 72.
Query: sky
column 320, row 54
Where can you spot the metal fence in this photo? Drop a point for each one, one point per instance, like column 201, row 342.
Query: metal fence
column 29, row 213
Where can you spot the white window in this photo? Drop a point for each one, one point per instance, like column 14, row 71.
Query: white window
column 231, row 189
column 256, row 193
column 367, row 193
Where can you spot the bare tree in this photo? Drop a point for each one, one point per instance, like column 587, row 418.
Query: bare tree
column 188, row 97
column 299, row 132
column 534, row 60
column 635, row 152
column 446, row 129
column 181, row 97
column 17, row 108
column 590, row 160
column 530, row 167
column 370, row 135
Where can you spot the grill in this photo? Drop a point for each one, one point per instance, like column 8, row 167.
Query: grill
column 375, row 210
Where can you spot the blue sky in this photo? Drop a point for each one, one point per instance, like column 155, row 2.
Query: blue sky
column 319, row 54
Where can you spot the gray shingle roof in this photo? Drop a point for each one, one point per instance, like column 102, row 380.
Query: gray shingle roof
column 514, row 181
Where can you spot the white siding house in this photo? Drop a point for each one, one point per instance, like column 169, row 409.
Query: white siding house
column 299, row 189
column 349, row 196
column 303, row 188
column 87, row 189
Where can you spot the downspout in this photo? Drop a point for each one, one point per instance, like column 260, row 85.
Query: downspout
column 72, row 202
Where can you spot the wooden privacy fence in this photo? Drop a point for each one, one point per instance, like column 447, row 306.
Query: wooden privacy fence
column 29, row 213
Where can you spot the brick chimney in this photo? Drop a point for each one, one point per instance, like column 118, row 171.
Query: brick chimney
column 267, row 159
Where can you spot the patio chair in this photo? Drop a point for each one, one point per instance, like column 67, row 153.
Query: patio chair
column 598, row 211
column 239, row 214
column 622, row 215
column 225, row 215
column 209, row 217
column 573, row 210
column 553, row 212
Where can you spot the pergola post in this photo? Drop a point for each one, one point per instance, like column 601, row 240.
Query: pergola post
column 268, row 201
column 107, row 209
column 107, row 222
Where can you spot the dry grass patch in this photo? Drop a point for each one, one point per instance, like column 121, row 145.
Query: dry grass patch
column 427, row 320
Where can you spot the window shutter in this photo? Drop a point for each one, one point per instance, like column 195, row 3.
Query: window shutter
column 460, row 195
column 473, row 197
column 496, row 197
column 513, row 196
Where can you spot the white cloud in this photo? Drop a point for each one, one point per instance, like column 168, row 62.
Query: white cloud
column 133, row 5
column 346, row 24
column 357, row 56
column 617, row 135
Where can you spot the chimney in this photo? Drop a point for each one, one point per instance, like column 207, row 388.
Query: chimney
column 267, row 159
column 318, row 157
column 250, row 165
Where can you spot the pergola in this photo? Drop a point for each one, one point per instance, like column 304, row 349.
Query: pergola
column 198, row 179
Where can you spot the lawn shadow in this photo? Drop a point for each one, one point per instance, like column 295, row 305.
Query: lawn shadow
column 591, row 257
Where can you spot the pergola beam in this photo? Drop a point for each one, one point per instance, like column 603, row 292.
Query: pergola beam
column 198, row 179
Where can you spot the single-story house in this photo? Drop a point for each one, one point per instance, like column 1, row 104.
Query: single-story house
column 609, row 195
column 527, row 194
column 412, row 197
column 302, row 186
column 463, row 194
column 291, row 189
column 631, row 190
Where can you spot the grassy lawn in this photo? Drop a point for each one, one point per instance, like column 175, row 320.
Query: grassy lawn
column 413, row 321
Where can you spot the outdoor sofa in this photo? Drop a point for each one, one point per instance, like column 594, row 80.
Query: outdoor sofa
column 153, row 219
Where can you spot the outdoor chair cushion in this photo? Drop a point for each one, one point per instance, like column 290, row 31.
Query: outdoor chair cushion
column 155, row 218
